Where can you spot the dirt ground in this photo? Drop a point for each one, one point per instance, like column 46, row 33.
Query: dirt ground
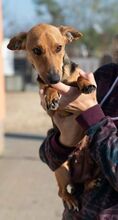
column 28, row 189
column 24, row 114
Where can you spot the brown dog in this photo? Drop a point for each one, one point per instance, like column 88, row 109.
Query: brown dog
column 45, row 47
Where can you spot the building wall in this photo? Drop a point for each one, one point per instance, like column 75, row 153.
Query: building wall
column 2, row 90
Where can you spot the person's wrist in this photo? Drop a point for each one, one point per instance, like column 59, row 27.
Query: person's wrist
column 64, row 141
column 91, row 104
column 90, row 117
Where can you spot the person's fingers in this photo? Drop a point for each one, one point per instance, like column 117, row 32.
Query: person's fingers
column 41, row 91
column 68, row 92
column 89, row 76
column 83, row 73
column 65, row 88
column 70, row 96
column 61, row 87
column 42, row 97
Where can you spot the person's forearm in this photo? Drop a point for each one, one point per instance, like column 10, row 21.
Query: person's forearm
column 104, row 141
column 53, row 153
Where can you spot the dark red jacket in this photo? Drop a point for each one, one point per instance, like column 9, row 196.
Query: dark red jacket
column 103, row 150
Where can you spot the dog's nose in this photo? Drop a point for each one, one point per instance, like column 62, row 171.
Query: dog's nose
column 53, row 77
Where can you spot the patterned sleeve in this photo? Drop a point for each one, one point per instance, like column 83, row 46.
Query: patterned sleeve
column 52, row 152
column 104, row 149
column 104, row 141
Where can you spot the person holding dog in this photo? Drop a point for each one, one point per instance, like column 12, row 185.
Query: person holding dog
column 100, row 122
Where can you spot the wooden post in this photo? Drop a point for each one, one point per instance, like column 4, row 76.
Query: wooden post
column 2, row 89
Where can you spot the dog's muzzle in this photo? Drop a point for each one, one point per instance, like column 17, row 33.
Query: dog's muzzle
column 53, row 77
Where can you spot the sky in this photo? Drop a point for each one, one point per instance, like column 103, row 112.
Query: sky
column 20, row 15
column 23, row 9
column 20, row 12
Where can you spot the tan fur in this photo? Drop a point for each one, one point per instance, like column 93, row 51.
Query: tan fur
column 48, row 39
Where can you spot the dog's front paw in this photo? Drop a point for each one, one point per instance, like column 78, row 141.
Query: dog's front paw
column 52, row 98
column 88, row 89
column 69, row 200
column 85, row 85
column 53, row 104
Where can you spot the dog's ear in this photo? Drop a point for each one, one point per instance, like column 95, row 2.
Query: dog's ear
column 70, row 33
column 18, row 42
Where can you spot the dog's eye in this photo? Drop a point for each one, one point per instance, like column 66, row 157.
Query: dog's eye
column 58, row 48
column 37, row 51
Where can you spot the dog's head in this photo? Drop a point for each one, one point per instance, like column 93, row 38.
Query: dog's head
column 45, row 47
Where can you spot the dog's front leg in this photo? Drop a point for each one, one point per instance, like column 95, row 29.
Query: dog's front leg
column 52, row 99
column 75, row 79
column 51, row 96
column 63, row 180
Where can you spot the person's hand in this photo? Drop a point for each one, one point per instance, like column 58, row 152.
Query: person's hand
column 72, row 99
column 67, row 125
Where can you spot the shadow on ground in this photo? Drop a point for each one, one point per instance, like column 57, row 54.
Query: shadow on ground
column 24, row 136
